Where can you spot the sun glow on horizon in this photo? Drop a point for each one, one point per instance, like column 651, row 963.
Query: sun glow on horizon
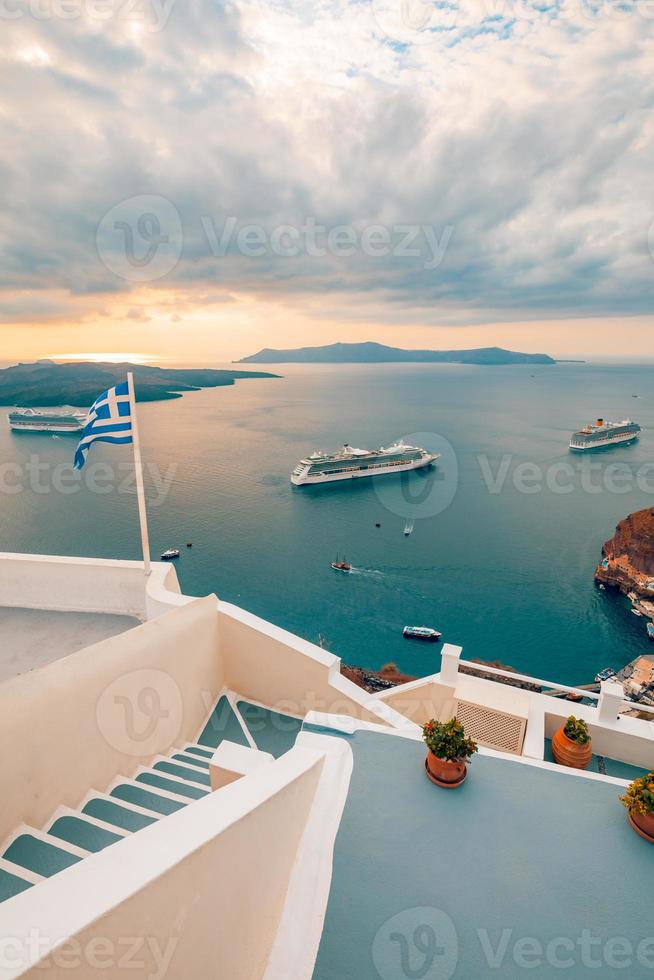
column 113, row 357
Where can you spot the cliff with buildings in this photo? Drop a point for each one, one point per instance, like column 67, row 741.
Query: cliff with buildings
column 628, row 557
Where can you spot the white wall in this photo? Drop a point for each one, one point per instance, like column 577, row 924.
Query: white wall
column 207, row 884
column 105, row 710
column 627, row 739
column 87, row 585
column 270, row 665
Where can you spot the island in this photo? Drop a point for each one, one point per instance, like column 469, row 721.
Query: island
column 46, row 383
column 373, row 353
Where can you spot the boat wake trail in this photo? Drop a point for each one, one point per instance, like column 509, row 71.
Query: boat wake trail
column 372, row 572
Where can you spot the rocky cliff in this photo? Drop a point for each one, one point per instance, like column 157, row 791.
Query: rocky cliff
column 628, row 562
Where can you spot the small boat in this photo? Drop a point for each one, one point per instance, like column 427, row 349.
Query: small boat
column 636, row 612
column 170, row 554
column 604, row 675
column 421, row 633
column 602, row 587
column 408, row 528
column 632, row 596
column 341, row 566
column 650, row 630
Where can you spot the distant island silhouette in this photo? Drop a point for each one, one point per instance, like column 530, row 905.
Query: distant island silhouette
column 46, row 383
column 373, row 353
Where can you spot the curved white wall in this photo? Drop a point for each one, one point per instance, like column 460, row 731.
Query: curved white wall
column 88, row 585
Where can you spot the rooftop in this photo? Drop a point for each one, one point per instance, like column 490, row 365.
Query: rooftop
column 212, row 782
column 32, row 638
column 452, row 880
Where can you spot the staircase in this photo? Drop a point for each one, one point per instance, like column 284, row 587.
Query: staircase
column 132, row 803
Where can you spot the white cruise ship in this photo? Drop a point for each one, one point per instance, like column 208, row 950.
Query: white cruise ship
column 50, row 420
column 599, row 434
column 350, row 463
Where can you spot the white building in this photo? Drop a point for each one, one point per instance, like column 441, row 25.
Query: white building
column 200, row 794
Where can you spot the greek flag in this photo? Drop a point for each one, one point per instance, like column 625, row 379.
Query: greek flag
column 109, row 420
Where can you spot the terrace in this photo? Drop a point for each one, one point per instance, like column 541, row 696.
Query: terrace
column 32, row 638
column 523, row 866
column 228, row 787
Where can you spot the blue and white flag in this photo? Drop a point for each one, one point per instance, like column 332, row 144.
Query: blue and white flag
column 109, row 420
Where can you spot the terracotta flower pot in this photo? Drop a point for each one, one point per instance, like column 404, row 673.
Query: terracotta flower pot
column 643, row 824
column 569, row 753
column 445, row 772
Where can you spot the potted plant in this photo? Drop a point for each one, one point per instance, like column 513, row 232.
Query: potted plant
column 639, row 801
column 572, row 745
column 449, row 747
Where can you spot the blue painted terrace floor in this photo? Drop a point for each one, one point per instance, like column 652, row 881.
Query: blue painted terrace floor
column 431, row 883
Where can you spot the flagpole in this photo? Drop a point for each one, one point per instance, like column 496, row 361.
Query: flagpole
column 138, row 468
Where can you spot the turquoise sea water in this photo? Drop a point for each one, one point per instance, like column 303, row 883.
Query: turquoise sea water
column 508, row 574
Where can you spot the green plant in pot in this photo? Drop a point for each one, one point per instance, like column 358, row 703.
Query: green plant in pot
column 572, row 745
column 639, row 801
column 449, row 749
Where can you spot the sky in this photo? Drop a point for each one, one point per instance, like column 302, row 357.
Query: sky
column 191, row 181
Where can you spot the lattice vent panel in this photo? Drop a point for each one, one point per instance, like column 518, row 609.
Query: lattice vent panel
column 494, row 729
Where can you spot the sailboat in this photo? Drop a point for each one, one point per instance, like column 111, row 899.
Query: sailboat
column 341, row 566
column 408, row 528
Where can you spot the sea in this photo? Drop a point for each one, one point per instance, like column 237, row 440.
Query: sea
column 507, row 528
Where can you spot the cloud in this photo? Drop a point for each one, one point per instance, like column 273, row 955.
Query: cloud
column 137, row 315
column 527, row 132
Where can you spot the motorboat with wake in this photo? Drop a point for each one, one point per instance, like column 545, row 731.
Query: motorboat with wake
column 421, row 633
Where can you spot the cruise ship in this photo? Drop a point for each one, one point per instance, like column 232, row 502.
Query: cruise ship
column 599, row 434
column 349, row 463
column 51, row 420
